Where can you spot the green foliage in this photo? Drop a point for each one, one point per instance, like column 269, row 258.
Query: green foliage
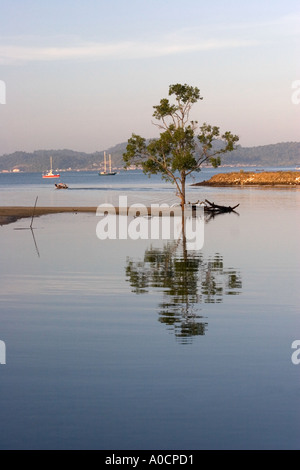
column 183, row 146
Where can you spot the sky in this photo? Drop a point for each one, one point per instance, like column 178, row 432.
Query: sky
column 85, row 74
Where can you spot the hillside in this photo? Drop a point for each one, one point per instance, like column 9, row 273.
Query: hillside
column 281, row 154
column 39, row 160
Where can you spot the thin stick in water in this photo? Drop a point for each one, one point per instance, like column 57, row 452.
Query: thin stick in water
column 33, row 212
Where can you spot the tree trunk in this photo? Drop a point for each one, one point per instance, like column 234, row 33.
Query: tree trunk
column 182, row 193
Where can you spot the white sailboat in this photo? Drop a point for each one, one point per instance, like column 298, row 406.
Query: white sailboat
column 105, row 172
column 50, row 173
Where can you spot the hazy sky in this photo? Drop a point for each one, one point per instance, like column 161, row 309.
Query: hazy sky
column 85, row 74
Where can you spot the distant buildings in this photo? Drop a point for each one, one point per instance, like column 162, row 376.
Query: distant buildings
column 15, row 170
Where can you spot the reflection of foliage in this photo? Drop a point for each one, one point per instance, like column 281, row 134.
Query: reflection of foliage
column 217, row 281
column 186, row 280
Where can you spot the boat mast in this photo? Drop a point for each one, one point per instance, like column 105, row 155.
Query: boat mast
column 104, row 162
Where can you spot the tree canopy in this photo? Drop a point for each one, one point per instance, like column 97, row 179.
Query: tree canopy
column 183, row 145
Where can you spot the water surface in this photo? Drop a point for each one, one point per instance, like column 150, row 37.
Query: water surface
column 122, row 344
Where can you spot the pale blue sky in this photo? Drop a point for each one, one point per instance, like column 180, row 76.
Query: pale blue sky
column 85, row 74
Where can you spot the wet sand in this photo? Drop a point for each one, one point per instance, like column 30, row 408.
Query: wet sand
column 10, row 214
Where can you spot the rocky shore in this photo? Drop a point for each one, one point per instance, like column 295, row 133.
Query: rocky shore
column 259, row 178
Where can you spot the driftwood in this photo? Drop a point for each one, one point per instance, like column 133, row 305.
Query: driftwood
column 215, row 208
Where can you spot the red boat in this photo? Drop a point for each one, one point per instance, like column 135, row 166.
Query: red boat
column 50, row 173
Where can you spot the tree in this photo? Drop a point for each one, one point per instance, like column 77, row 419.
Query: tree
column 183, row 146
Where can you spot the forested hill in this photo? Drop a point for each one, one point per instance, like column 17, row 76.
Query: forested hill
column 281, row 154
column 39, row 161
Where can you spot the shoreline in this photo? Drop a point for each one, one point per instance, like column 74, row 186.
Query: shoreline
column 10, row 214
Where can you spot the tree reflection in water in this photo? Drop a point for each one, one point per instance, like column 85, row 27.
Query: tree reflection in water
column 186, row 279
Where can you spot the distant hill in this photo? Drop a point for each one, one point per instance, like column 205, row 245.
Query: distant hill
column 39, row 160
column 281, row 154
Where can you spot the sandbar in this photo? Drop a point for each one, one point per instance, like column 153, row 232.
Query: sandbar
column 10, row 214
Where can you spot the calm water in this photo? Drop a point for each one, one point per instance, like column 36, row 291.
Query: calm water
column 122, row 344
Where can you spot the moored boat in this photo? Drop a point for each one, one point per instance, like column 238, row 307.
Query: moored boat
column 110, row 172
column 50, row 173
